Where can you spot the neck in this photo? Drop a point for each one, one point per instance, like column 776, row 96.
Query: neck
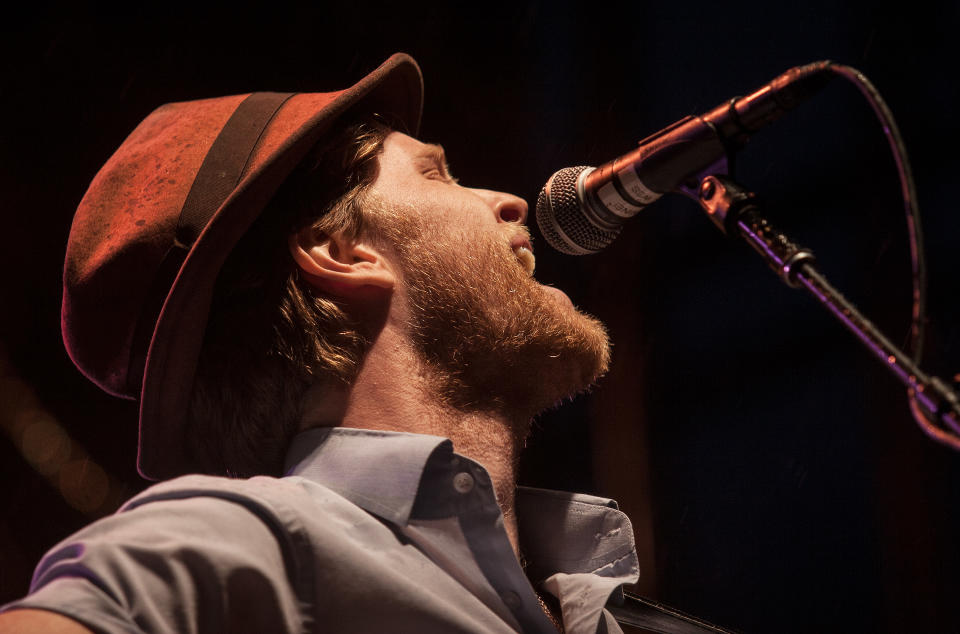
column 395, row 392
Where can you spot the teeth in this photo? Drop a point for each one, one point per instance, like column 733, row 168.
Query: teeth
column 525, row 256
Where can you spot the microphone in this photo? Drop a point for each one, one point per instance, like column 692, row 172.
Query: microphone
column 582, row 209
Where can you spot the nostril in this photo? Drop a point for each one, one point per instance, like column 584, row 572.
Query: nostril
column 510, row 214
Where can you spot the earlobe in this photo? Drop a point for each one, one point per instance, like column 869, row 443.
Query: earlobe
column 339, row 266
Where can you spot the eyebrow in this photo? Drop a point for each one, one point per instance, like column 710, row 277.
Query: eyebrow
column 436, row 154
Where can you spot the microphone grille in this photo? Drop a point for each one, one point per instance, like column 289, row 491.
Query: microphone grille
column 563, row 223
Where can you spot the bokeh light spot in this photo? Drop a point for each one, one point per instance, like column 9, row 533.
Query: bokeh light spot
column 84, row 485
column 44, row 443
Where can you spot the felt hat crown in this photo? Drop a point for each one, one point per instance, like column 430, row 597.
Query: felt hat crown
column 161, row 216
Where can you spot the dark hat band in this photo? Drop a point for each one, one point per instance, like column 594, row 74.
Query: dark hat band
column 218, row 176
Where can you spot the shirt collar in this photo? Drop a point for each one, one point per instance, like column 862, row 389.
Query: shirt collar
column 379, row 471
column 580, row 547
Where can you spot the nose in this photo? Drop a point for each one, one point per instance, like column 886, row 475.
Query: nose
column 506, row 207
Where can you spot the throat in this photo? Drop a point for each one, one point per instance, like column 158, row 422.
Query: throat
column 495, row 444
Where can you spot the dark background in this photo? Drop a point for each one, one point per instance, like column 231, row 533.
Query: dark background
column 775, row 479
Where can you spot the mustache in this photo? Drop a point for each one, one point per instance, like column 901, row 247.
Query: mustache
column 514, row 231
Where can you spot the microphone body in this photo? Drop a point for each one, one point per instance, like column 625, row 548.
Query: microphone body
column 582, row 209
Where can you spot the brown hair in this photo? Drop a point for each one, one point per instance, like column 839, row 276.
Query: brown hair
column 270, row 335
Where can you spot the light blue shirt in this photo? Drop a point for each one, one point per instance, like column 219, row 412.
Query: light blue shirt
column 369, row 531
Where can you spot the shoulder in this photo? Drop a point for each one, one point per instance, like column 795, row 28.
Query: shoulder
column 185, row 551
column 283, row 500
column 259, row 488
column 297, row 512
column 259, row 523
column 257, row 494
column 193, row 516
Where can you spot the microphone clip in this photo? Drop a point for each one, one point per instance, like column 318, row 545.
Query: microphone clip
column 735, row 210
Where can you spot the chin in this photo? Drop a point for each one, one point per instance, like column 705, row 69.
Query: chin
column 565, row 353
column 558, row 295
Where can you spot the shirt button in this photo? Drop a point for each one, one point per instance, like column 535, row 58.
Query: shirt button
column 463, row 482
column 511, row 599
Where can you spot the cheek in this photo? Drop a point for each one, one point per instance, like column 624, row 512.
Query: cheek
column 462, row 219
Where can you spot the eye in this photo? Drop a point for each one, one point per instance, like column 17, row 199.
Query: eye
column 433, row 165
column 437, row 173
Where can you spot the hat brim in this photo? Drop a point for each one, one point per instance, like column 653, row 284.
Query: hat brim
column 394, row 89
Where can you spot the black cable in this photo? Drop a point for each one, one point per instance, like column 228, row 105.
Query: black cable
column 908, row 190
column 909, row 193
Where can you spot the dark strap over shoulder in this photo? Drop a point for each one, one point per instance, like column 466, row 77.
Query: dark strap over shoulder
column 651, row 616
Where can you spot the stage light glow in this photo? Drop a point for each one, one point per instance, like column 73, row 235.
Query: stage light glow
column 48, row 447
column 84, row 485
column 43, row 442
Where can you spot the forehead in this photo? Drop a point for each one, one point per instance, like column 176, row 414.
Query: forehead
column 400, row 147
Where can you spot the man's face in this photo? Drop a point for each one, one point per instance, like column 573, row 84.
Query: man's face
column 496, row 338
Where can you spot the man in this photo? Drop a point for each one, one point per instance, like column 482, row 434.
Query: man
column 301, row 295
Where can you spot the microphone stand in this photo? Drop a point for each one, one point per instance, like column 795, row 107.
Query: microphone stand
column 735, row 211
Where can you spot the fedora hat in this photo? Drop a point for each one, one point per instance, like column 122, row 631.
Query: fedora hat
column 156, row 224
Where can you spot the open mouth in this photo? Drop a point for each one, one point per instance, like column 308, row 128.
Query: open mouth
column 524, row 253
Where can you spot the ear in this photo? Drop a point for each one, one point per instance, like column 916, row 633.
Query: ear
column 339, row 266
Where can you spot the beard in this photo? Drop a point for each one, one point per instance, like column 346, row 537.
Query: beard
column 491, row 338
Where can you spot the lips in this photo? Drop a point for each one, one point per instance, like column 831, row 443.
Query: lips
column 524, row 252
